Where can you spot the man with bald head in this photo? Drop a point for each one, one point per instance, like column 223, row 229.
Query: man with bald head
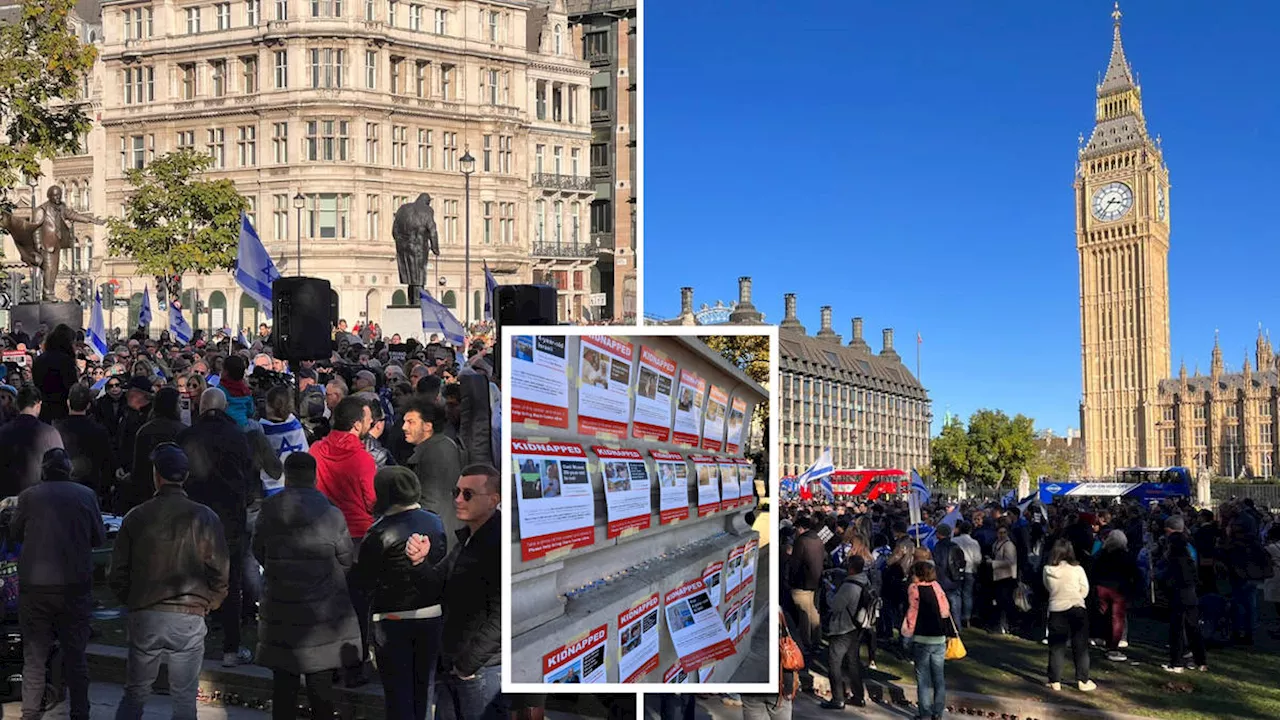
column 221, row 470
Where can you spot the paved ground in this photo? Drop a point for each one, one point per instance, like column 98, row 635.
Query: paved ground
column 104, row 697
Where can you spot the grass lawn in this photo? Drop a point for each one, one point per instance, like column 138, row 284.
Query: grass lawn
column 1241, row 682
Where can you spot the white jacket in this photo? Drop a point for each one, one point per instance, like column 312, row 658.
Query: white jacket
column 1068, row 586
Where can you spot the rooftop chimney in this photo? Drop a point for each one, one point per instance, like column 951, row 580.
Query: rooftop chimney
column 744, row 313
column 826, row 333
column 857, row 342
column 791, row 322
column 686, row 301
column 888, row 351
column 744, row 290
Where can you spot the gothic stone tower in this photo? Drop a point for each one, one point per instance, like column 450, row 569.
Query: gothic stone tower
column 1122, row 235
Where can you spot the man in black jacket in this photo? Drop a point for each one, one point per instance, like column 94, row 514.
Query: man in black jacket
column 949, row 560
column 169, row 566
column 87, row 442
column 23, row 442
column 807, row 560
column 60, row 524
column 471, row 648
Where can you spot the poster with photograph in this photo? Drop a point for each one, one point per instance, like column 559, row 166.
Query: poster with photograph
column 744, row 615
column 676, row 675
column 737, row 425
column 638, row 640
column 539, row 385
column 673, row 486
column 556, row 505
column 604, row 376
column 689, row 400
column 711, row 580
column 579, row 662
column 728, row 484
column 731, row 620
column 749, row 563
column 697, row 632
column 733, row 571
column 626, row 489
column 652, row 417
column 713, row 426
column 746, row 482
column 708, row 472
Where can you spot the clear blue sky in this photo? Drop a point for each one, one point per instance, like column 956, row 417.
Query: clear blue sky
column 911, row 162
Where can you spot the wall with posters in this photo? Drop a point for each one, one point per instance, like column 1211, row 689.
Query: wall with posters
column 612, row 515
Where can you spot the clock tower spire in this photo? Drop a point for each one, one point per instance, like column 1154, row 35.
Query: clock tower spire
column 1122, row 237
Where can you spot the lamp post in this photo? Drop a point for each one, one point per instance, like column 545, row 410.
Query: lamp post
column 468, row 166
column 298, row 202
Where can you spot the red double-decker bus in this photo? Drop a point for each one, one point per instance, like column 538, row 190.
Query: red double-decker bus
column 873, row 483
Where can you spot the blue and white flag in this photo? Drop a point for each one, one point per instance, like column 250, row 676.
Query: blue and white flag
column 179, row 328
column 821, row 468
column 952, row 518
column 144, row 312
column 285, row 438
column 254, row 269
column 436, row 318
column 242, row 338
column 924, row 535
column 97, row 331
column 1009, row 498
column 918, row 488
column 490, row 287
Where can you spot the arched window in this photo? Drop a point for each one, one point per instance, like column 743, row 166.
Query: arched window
column 217, row 310
column 248, row 313
column 558, row 40
column 450, row 300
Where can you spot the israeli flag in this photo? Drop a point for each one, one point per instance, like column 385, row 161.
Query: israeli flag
column 1009, row 498
column 144, row 313
column 242, row 338
column 179, row 328
column 918, row 489
column 821, row 468
column 436, row 318
column 97, row 331
column 952, row 518
column 254, row 269
column 490, row 287
column 924, row 535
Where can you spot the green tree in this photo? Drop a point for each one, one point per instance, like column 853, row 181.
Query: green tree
column 750, row 354
column 1052, row 460
column 950, row 453
column 42, row 63
column 1000, row 447
column 175, row 222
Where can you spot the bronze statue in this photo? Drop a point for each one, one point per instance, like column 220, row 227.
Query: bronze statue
column 41, row 241
column 414, row 231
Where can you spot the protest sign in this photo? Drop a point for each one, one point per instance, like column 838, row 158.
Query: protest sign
column 673, row 486
column 689, row 401
column 578, row 662
column 556, row 507
column 652, row 415
column 713, row 427
column 638, row 640
column 737, row 425
column 605, row 383
column 539, row 385
column 696, row 630
column 708, row 473
column 626, row 489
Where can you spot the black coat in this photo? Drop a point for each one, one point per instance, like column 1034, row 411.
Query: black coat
column 141, row 481
column 306, row 621
column 54, row 372
column 385, row 572
column 23, row 442
column 472, row 636
column 89, row 445
column 807, row 558
column 438, row 463
column 221, row 470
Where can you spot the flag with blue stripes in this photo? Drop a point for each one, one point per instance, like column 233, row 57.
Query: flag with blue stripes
column 925, row 535
column 97, row 331
column 952, row 518
column 144, row 312
column 255, row 272
column 490, row 287
column 179, row 328
column 436, row 318
column 918, row 488
column 821, row 468
column 1009, row 498
column 242, row 338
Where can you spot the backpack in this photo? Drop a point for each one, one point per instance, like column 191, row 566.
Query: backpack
column 957, row 566
column 869, row 606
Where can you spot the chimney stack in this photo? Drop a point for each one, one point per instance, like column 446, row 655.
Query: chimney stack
column 888, row 351
column 744, row 290
column 857, row 342
column 791, row 322
column 686, row 301
column 825, row 332
column 744, row 313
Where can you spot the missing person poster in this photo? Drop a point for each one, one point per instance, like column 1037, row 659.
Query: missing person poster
column 604, row 398
column 746, row 482
column 708, row 473
column 673, row 486
column 711, row 580
column 652, row 416
column 557, row 507
column 675, row 675
column 713, row 427
column 579, row 662
column 689, row 400
column 749, row 563
column 539, row 386
column 733, row 571
column 744, row 615
column 626, row 489
column 638, row 640
column 697, row 632
column 728, row 484
column 731, row 620
column 737, row 424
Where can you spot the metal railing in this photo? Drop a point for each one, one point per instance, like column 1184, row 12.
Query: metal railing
column 555, row 181
column 563, row 250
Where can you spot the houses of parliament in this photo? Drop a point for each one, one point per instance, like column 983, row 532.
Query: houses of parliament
column 1133, row 410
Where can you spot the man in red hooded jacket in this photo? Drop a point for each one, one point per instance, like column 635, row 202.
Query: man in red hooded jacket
column 344, row 474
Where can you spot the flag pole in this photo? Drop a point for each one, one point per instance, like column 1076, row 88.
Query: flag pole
column 919, row 342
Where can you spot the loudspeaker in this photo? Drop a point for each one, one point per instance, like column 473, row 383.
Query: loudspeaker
column 304, row 312
column 520, row 305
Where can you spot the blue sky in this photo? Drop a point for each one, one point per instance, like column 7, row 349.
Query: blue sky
column 911, row 162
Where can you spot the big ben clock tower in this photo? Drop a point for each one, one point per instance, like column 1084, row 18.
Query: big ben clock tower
column 1122, row 235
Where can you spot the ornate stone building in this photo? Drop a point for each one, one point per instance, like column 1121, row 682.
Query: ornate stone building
column 866, row 406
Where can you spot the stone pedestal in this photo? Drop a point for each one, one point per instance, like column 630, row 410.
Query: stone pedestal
column 50, row 313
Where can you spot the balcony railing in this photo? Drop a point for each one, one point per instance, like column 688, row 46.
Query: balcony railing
column 602, row 240
column 553, row 181
column 562, row 250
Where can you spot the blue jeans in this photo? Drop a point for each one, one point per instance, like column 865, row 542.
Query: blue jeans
column 966, row 598
column 953, row 602
column 407, row 652
column 153, row 635
column 931, row 688
column 1244, row 606
column 479, row 698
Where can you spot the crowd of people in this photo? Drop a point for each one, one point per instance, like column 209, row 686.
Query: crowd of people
column 338, row 505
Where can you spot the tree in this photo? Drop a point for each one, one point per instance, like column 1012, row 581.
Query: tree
column 999, row 447
column 176, row 223
column 950, row 453
column 750, row 354
column 42, row 63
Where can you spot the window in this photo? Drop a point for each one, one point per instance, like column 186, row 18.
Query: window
column 372, row 205
column 575, row 223
column 139, row 85
column 420, row 78
column 541, row 99
column 326, row 8
column 282, row 69
column 280, row 142
column 557, row 103
column 493, row 26
column 249, row 70
column 371, row 131
column 599, row 155
column 446, row 82
column 133, row 152
column 600, row 99
column 541, row 222
column 399, row 145
column 327, row 140
column 424, row 149
column 186, row 139
column 558, row 211
column 538, row 152
column 1231, row 410
column 557, row 40
column 217, row 147
column 371, row 69
column 138, row 23
column 450, row 234
column 188, row 71
column 486, row 210
column 596, row 45
column 450, row 150
column 222, row 11
column 573, row 104
column 507, row 219
column 329, row 215
column 370, row 10
column 327, row 66
column 1265, row 408
column 489, row 86
column 575, row 157
column 442, row 22
column 280, row 216
column 486, row 153
column 193, row 20
column 1198, row 411
column 1168, row 414
column 557, row 154
column 1264, row 433
column 397, row 75
column 247, row 145
column 391, row 13
column 252, row 12
column 415, row 17
column 218, row 71
column 601, row 216
column 282, row 9
column 505, row 153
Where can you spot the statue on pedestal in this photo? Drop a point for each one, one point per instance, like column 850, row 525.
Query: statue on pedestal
column 1024, row 484
column 414, row 231
column 40, row 241
column 1204, row 487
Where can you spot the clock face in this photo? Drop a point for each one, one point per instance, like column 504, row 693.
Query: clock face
column 1160, row 203
column 1112, row 201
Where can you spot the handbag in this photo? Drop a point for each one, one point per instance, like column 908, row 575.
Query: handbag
column 1022, row 597
column 792, row 658
column 955, row 646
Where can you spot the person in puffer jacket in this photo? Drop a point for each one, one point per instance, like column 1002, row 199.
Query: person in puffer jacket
column 240, row 405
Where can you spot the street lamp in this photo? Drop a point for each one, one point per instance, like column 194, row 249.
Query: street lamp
column 33, row 182
column 468, row 166
column 298, row 202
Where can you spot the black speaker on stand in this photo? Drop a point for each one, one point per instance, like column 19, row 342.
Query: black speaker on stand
column 520, row 305
column 304, row 310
